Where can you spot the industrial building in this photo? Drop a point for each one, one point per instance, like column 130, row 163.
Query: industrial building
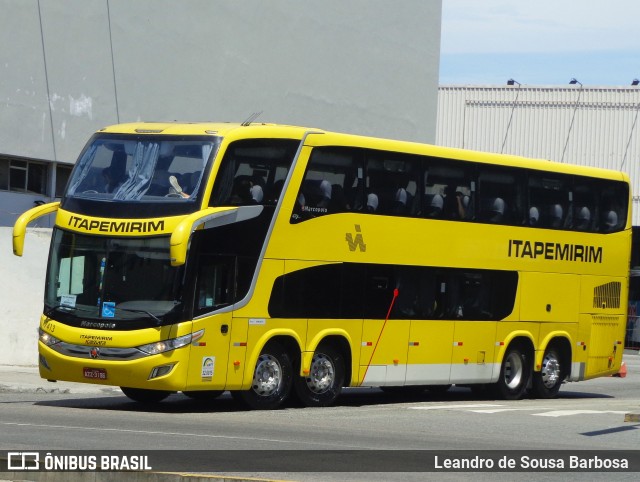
column 574, row 124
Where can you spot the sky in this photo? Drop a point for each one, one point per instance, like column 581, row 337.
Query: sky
column 540, row 42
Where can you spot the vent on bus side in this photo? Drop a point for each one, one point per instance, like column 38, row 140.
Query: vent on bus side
column 607, row 295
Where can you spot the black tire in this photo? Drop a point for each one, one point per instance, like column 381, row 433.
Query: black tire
column 272, row 379
column 143, row 395
column 546, row 383
column 325, row 380
column 203, row 395
column 515, row 372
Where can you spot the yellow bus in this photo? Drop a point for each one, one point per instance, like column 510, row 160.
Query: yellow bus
column 276, row 261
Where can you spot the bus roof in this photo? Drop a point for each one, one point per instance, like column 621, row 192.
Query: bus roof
column 207, row 128
column 239, row 131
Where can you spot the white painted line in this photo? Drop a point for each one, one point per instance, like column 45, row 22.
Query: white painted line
column 566, row 413
column 498, row 410
column 449, row 407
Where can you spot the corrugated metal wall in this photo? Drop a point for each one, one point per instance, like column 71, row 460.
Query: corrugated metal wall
column 574, row 124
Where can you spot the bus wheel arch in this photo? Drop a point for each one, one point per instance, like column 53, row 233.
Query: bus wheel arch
column 272, row 379
column 554, row 369
column 515, row 370
column 330, row 368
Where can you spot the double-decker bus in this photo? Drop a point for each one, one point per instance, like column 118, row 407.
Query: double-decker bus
column 276, row 261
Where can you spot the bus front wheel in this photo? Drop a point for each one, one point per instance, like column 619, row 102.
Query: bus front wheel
column 546, row 383
column 514, row 374
column 143, row 395
column 272, row 379
column 323, row 384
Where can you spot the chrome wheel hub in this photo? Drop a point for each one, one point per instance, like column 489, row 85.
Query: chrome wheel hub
column 268, row 376
column 322, row 374
column 550, row 371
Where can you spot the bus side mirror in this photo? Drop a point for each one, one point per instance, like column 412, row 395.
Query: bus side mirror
column 20, row 227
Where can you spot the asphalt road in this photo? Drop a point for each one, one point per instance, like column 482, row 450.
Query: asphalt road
column 586, row 416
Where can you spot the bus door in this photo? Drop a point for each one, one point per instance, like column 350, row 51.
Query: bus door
column 210, row 354
column 214, row 291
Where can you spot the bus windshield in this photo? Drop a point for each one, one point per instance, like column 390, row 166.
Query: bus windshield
column 113, row 279
column 142, row 168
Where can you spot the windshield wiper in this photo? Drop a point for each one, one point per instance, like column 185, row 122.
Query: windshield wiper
column 62, row 307
column 145, row 312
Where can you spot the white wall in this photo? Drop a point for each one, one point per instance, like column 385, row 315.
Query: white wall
column 21, row 295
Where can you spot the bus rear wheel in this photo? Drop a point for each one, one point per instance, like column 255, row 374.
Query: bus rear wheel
column 144, row 395
column 546, row 383
column 324, row 382
column 514, row 374
column 272, row 379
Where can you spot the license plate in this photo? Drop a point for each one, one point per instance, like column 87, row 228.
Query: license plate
column 95, row 373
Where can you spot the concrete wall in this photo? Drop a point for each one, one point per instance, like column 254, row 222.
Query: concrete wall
column 21, row 296
column 70, row 67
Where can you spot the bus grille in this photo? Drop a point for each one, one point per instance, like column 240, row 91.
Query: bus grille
column 104, row 353
column 607, row 295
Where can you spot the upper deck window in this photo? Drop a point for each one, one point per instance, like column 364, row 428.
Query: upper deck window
column 132, row 168
column 253, row 171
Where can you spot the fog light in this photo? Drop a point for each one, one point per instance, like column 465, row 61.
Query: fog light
column 160, row 371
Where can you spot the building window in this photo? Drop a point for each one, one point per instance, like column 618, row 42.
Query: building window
column 23, row 176
column 62, row 177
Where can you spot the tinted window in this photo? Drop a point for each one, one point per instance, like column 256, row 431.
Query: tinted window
column 253, row 171
column 354, row 291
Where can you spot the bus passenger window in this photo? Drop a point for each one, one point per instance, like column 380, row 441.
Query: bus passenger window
column 416, row 293
column 551, row 197
column 215, row 283
column 449, row 191
column 393, row 177
column 331, row 184
column 253, row 171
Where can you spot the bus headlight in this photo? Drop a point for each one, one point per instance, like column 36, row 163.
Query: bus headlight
column 46, row 338
column 172, row 344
